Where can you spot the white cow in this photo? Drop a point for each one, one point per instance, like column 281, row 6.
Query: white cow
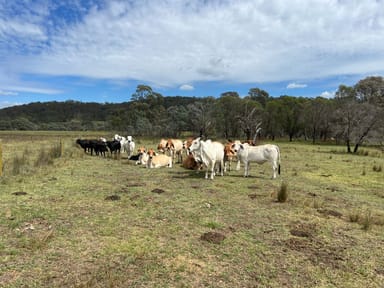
column 209, row 153
column 129, row 146
column 259, row 154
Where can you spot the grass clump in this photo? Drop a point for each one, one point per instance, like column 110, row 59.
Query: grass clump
column 46, row 157
column 367, row 221
column 282, row 194
column 377, row 168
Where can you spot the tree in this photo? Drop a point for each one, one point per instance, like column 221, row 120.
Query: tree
column 259, row 95
column 142, row 92
column 229, row 106
column 201, row 116
column 291, row 115
column 359, row 112
column 250, row 119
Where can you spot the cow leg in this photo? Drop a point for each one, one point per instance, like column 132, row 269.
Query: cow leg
column 238, row 165
column 222, row 167
column 213, row 169
column 274, row 168
column 246, row 169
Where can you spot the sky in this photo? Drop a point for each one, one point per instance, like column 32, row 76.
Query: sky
column 99, row 51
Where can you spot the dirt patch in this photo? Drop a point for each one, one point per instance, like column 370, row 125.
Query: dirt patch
column 213, row 237
column 158, row 191
column 112, row 198
column 300, row 233
column 19, row 193
column 306, row 230
column 252, row 196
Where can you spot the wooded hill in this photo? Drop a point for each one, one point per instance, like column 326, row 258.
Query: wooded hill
column 354, row 116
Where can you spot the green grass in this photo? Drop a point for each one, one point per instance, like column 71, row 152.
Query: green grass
column 64, row 233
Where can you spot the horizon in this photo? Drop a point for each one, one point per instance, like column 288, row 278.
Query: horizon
column 100, row 51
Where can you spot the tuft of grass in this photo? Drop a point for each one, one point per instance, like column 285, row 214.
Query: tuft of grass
column 354, row 216
column 377, row 168
column 282, row 194
column 367, row 220
column 46, row 157
column 19, row 163
column 364, row 172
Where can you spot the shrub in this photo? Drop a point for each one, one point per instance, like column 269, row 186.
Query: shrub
column 377, row 168
column 282, row 194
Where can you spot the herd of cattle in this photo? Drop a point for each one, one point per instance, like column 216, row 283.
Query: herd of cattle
column 193, row 153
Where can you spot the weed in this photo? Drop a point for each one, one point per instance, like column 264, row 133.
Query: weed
column 282, row 194
column 354, row 216
column 19, row 163
column 213, row 225
column 367, row 221
column 377, row 168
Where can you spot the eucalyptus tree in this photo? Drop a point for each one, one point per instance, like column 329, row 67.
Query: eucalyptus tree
column 360, row 112
column 201, row 115
column 229, row 106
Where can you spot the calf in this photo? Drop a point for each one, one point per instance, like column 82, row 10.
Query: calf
column 259, row 154
column 157, row 161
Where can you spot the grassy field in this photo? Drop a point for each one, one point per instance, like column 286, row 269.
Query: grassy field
column 75, row 220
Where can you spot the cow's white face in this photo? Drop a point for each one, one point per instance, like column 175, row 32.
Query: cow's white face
column 236, row 147
column 196, row 144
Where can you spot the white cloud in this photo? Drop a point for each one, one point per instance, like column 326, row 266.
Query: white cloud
column 167, row 42
column 296, row 85
column 327, row 94
column 7, row 93
column 186, row 87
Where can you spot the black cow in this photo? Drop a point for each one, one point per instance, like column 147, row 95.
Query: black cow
column 114, row 146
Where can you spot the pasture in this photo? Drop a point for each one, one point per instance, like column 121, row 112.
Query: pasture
column 85, row 221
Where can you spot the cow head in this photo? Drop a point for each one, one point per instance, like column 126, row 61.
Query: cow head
column 141, row 150
column 237, row 146
column 151, row 153
column 195, row 145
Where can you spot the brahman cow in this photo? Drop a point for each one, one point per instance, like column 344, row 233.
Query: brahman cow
column 209, row 153
column 175, row 148
column 230, row 155
column 157, row 161
column 259, row 154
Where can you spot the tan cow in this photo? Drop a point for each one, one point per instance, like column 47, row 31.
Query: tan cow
column 175, row 148
column 161, row 145
column 158, row 160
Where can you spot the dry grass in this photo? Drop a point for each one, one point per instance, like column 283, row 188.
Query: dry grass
column 85, row 221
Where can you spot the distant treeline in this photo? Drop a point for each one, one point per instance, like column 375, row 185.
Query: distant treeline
column 355, row 115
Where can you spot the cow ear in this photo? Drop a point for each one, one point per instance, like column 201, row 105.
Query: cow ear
column 241, row 146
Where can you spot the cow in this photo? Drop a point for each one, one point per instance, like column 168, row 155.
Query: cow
column 190, row 163
column 114, row 146
column 161, row 145
column 129, row 146
column 84, row 144
column 259, row 154
column 142, row 156
column 175, row 148
column 230, row 155
column 158, row 160
column 209, row 153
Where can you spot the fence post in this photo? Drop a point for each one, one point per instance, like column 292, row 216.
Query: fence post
column 1, row 159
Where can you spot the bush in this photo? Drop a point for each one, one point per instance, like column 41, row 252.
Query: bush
column 282, row 194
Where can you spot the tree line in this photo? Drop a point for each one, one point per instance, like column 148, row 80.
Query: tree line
column 354, row 116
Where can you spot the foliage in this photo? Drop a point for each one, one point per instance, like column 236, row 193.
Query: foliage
column 354, row 117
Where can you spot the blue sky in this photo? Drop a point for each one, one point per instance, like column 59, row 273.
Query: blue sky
column 99, row 51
